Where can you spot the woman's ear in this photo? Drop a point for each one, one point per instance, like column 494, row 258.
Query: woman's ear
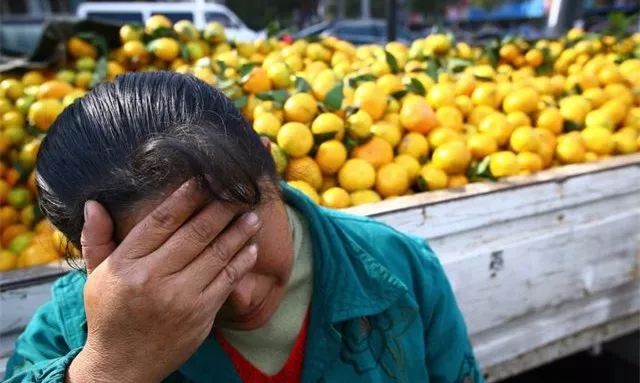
column 266, row 143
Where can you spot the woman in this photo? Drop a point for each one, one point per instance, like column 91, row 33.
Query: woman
column 202, row 267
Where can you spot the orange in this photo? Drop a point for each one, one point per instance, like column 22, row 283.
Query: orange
column 165, row 48
column 524, row 139
column 551, row 120
column 517, row 119
column 156, row 22
column 8, row 216
column 4, row 191
column 371, row 98
column 392, row 180
column 12, row 231
column 417, row 116
column 570, row 150
column 534, row 58
column 307, row 189
column 524, row 100
column 440, row 95
column 44, row 112
column 304, row 169
column 497, row 126
column 357, row 174
column 335, row 197
column 376, row 151
column 452, row 157
column 331, row 155
column 38, row 254
column 257, row 81
column 481, row 145
column 442, row 135
column 78, row 48
column 53, row 89
column 529, row 162
column 300, row 107
column 503, row 164
column 457, row 181
column 8, row 260
column 432, row 178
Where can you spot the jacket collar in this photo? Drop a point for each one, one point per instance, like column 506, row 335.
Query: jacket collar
column 348, row 282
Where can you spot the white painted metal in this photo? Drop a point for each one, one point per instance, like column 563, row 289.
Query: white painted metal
column 541, row 266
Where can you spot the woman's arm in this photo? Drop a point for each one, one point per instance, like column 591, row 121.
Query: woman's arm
column 449, row 355
column 41, row 354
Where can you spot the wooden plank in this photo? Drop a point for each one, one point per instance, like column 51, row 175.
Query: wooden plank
column 536, row 330
column 561, row 348
column 458, row 215
column 497, row 284
column 23, row 303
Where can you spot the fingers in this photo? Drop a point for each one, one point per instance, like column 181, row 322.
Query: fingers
column 150, row 233
column 194, row 236
column 215, row 257
column 219, row 289
column 97, row 235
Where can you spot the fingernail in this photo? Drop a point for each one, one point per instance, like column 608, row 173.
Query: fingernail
column 86, row 211
column 251, row 218
column 253, row 249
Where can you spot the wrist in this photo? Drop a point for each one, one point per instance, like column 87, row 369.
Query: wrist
column 91, row 366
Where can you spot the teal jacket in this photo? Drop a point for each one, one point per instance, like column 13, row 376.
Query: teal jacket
column 382, row 311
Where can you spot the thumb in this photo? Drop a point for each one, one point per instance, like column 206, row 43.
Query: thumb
column 97, row 235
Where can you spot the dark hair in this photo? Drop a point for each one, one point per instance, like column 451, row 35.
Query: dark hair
column 129, row 140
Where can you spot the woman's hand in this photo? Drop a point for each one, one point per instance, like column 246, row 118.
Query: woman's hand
column 152, row 300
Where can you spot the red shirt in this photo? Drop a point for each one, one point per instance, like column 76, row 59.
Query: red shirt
column 290, row 372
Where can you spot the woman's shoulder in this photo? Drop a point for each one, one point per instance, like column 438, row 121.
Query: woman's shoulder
column 405, row 255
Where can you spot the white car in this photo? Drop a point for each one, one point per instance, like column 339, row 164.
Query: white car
column 199, row 13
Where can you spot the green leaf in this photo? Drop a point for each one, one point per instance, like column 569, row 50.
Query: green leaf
column 432, row 69
column 96, row 40
column 399, row 94
column 240, row 102
column 273, row 28
column 32, row 130
column 323, row 137
column 245, row 69
column 164, row 32
column 355, row 81
column 100, row 72
column 220, row 67
column 480, row 171
column 492, row 51
column 302, row 85
column 278, row 96
column 570, row 126
column 456, row 65
column 547, row 63
column 391, row 61
column 333, row 98
column 349, row 110
column 351, row 143
column 184, row 52
column 415, row 86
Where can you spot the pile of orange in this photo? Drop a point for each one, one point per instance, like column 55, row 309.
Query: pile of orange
column 350, row 125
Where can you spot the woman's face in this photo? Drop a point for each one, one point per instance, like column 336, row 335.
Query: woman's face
column 258, row 294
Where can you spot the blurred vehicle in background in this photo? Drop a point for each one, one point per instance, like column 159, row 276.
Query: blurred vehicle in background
column 356, row 31
column 198, row 13
column 21, row 23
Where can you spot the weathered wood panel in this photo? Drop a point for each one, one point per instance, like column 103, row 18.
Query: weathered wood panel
column 534, row 261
